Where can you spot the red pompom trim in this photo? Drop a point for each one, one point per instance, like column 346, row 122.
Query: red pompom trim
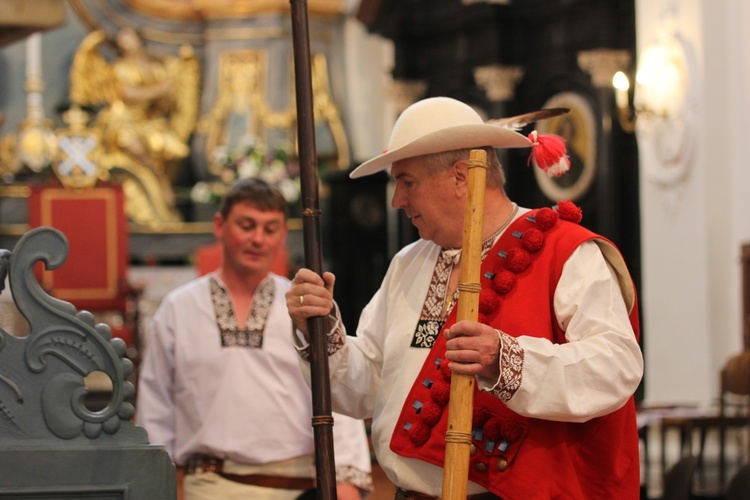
column 548, row 154
column 488, row 302
column 511, row 429
column 545, row 218
column 492, row 429
column 532, row 240
column 440, row 392
column 431, row 413
column 569, row 211
column 445, row 370
column 419, row 433
column 480, row 416
column 503, row 281
column 518, row 260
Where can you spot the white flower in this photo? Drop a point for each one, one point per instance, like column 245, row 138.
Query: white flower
column 201, row 192
column 290, row 189
column 250, row 158
column 219, row 154
column 247, row 168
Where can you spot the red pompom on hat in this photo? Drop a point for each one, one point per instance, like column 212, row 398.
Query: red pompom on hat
column 532, row 240
column 488, row 302
column 545, row 218
column 431, row 413
column 518, row 260
column 503, row 281
column 419, row 433
column 548, row 154
column 569, row 211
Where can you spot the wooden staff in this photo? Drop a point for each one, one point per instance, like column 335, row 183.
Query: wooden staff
column 458, row 434
column 322, row 421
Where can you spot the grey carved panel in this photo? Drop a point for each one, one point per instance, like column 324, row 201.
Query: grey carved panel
column 52, row 444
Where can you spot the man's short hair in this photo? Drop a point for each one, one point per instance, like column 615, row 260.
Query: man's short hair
column 256, row 192
column 437, row 162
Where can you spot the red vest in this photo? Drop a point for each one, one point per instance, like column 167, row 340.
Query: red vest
column 515, row 456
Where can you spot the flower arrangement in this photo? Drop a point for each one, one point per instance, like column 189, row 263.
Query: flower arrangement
column 250, row 158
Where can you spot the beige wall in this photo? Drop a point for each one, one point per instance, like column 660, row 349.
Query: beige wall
column 692, row 231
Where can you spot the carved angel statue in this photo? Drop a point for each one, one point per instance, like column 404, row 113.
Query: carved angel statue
column 150, row 110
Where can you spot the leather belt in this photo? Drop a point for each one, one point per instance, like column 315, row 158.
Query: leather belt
column 402, row 494
column 216, row 465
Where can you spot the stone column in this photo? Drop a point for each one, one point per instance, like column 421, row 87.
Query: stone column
column 499, row 85
column 602, row 64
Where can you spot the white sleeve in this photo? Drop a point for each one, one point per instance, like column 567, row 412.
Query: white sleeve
column 601, row 365
column 155, row 410
column 352, row 452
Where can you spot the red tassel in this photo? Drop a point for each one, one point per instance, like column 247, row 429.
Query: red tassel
column 548, row 153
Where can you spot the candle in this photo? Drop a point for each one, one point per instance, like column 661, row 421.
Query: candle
column 621, row 84
column 33, row 55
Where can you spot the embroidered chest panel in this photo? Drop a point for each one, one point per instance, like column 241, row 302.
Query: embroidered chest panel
column 251, row 335
column 436, row 306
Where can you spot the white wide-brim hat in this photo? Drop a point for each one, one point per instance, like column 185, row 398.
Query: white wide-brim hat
column 435, row 125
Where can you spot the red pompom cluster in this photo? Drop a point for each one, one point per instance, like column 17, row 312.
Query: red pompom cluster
column 492, row 429
column 569, row 211
column 480, row 416
column 545, row 218
column 419, row 433
column 532, row 240
column 518, row 260
column 503, row 281
column 488, row 302
column 511, row 429
column 440, row 392
column 445, row 370
column 431, row 413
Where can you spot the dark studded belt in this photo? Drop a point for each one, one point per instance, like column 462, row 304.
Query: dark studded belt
column 216, row 465
column 402, row 494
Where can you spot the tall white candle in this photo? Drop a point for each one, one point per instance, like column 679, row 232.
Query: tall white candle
column 34, row 55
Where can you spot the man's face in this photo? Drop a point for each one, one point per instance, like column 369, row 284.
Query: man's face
column 251, row 237
column 428, row 200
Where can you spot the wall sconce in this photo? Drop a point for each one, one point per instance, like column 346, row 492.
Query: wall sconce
column 663, row 109
column 661, row 87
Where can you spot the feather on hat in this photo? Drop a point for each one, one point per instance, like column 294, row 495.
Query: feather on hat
column 439, row 124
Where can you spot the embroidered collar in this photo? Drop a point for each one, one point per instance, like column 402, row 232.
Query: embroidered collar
column 226, row 321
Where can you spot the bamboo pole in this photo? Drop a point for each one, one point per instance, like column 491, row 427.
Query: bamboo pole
column 322, row 421
column 458, row 433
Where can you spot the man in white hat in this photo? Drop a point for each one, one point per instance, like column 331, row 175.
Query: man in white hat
column 555, row 351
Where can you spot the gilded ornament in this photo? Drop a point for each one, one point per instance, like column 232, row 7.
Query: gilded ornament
column 150, row 110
